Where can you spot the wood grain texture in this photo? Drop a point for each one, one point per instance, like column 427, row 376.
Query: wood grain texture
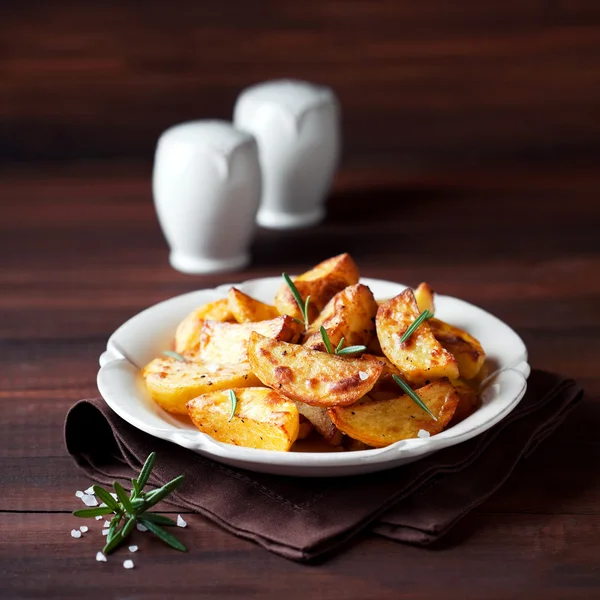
column 431, row 82
column 81, row 252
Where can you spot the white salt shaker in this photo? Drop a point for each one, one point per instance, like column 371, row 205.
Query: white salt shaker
column 206, row 186
column 296, row 125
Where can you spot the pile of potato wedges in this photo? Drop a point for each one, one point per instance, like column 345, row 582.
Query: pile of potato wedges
column 287, row 383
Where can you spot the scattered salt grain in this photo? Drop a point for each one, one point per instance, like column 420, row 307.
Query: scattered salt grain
column 90, row 490
column 89, row 500
column 100, row 557
column 75, row 533
column 105, row 531
column 133, row 548
column 79, row 494
column 84, row 529
column 114, row 495
column 423, row 433
column 141, row 527
column 106, row 524
column 363, row 375
column 128, row 564
column 181, row 522
column 98, row 517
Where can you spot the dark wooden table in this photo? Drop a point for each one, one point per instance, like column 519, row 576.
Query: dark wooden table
column 80, row 252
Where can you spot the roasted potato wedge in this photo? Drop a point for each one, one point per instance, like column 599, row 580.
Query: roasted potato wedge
column 321, row 421
column 350, row 314
column 468, row 402
column 227, row 343
column 313, row 377
column 187, row 336
column 464, row 347
column 322, row 283
column 380, row 423
column 172, row 383
column 246, row 309
column 306, row 428
column 421, row 357
column 263, row 418
column 424, row 298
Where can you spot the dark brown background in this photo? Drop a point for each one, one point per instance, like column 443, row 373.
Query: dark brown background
column 472, row 134
column 427, row 82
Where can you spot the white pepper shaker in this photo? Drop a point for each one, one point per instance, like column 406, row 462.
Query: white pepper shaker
column 296, row 125
column 206, row 186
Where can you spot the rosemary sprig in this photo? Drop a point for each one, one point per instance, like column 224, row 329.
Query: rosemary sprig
column 340, row 350
column 413, row 396
column 130, row 510
column 302, row 304
column 426, row 314
column 175, row 355
column 234, row 402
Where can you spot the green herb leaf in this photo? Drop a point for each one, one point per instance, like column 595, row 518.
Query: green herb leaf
column 114, row 543
column 175, row 355
column 156, row 496
column 112, row 528
column 88, row 513
column 158, row 519
column 413, row 395
column 326, row 340
column 107, row 498
column 234, row 402
column 351, row 350
column 165, row 536
column 146, row 470
column 128, row 527
column 340, row 345
column 302, row 304
column 415, row 324
column 305, row 312
column 123, row 497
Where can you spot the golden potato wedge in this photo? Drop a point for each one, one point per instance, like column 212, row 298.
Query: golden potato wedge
column 468, row 402
column 313, row 377
column 172, row 383
column 322, row 283
column 321, row 421
column 227, row 343
column 350, row 314
column 464, row 347
column 380, row 423
column 306, row 428
column 246, row 309
column 263, row 418
column 385, row 383
column 187, row 336
column 424, row 298
column 421, row 357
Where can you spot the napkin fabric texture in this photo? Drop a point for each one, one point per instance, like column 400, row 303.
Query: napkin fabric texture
column 302, row 518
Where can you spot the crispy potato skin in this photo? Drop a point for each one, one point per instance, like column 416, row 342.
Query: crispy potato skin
column 380, row 423
column 227, row 343
column 464, row 347
column 246, row 309
column 468, row 402
column 187, row 336
column 172, row 383
column 350, row 314
column 424, row 298
column 263, row 418
column 313, row 377
column 320, row 419
column 322, row 283
column 421, row 357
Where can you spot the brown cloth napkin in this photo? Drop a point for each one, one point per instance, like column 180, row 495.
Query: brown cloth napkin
column 304, row 518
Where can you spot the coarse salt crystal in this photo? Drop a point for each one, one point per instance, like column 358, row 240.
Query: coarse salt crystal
column 363, row 375
column 423, row 433
column 100, row 557
column 141, row 527
column 128, row 564
column 181, row 522
column 106, row 524
column 133, row 548
column 84, row 529
column 98, row 517
column 75, row 533
column 79, row 494
column 89, row 500
column 114, row 495
column 90, row 490
column 105, row 531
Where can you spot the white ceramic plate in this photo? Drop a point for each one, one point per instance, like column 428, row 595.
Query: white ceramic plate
column 150, row 332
